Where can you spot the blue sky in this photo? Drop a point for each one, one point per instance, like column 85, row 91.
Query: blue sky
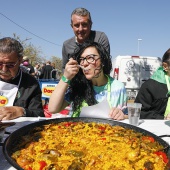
column 123, row 21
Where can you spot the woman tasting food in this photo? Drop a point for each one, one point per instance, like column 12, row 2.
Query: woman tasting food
column 86, row 82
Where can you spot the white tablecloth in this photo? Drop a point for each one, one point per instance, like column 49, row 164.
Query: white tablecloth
column 158, row 127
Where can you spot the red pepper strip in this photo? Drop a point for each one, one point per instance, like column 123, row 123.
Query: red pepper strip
column 67, row 124
column 102, row 127
column 42, row 164
column 103, row 139
column 149, row 138
column 42, row 151
column 29, row 168
column 163, row 155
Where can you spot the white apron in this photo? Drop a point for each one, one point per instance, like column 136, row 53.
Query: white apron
column 8, row 93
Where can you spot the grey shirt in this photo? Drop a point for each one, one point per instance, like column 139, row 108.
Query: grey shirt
column 70, row 45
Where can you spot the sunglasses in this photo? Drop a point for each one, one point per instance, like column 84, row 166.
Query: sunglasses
column 9, row 65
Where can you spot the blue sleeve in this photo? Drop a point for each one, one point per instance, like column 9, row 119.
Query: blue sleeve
column 67, row 96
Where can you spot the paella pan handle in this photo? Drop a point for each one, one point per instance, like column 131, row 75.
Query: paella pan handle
column 163, row 136
column 1, row 142
column 4, row 125
column 166, row 148
column 3, row 130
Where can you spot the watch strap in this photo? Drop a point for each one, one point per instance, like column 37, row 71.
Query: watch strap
column 24, row 112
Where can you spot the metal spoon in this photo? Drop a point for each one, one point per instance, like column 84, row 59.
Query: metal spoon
column 82, row 67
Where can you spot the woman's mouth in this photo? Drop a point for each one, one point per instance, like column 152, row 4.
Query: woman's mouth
column 83, row 68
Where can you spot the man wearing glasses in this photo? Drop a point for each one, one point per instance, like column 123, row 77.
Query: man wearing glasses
column 20, row 94
column 81, row 24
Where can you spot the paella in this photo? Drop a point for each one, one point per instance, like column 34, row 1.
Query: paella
column 88, row 146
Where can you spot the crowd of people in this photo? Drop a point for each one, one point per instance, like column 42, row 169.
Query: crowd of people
column 86, row 79
column 39, row 71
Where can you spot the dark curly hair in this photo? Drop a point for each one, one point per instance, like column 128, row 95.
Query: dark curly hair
column 81, row 89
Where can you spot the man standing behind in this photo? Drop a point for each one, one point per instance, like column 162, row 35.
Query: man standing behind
column 46, row 71
column 81, row 24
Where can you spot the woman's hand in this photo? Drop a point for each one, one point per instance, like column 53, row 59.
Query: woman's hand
column 71, row 69
column 116, row 114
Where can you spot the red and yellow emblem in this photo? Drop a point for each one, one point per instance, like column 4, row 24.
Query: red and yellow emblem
column 47, row 90
column 3, row 101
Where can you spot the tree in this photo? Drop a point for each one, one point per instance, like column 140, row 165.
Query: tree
column 30, row 50
column 34, row 52
column 57, row 61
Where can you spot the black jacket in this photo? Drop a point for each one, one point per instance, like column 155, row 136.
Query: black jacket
column 46, row 72
column 153, row 97
column 29, row 95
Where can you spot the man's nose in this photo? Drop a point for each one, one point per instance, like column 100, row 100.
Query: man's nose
column 80, row 27
column 4, row 67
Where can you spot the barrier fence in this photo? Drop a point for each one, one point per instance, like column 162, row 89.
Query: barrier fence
column 47, row 87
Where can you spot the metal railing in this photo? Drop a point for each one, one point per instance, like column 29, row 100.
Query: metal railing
column 58, row 74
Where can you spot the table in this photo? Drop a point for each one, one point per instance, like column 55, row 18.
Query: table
column 158, row 127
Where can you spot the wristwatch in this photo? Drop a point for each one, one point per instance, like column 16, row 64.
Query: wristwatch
column 24, row 112
column 64, row 79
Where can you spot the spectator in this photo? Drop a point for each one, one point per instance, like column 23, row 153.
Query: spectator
column 37, row 70
column 81, row 24
column 23, row 68
column 42, row 65
column 30, row 68
column 53, row 65
column 154, row 93
column 89, row 85
column 46, row 71
column 20, row 92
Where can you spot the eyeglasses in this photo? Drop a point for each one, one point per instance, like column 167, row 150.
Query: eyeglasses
column 89, row 58
column 9, row 65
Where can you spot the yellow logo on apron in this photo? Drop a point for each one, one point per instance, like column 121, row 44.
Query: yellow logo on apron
column 3, row 101
column 48, row 90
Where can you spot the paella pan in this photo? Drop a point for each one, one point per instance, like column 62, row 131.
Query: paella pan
column 85, row 143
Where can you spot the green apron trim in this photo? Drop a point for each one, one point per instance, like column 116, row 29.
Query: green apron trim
column 84, row 104
column 167, row 111
column 77, row 112
column 159, row 75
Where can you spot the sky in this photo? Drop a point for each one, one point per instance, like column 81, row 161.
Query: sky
column 46, row 24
